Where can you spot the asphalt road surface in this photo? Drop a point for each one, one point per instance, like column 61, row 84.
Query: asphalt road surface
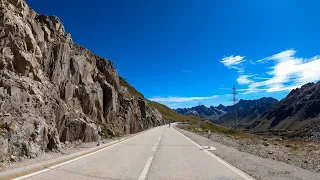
column 160, row 153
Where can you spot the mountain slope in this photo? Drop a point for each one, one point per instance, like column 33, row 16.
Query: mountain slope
column 130, row 88
column 171, row 115
column 166, row 112
column 298, row 112
column 248, row 111
column 53, row 90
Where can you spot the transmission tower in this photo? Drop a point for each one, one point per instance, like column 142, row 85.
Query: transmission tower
column 235, row 107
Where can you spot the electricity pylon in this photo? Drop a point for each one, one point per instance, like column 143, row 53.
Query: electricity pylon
column 235, row 107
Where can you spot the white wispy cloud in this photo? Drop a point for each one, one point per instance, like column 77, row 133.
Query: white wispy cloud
column 259, row 78
column 282, row 55
column 233, row 61
column 181, row 99
column 243, row 79
column 287, row 73
column 251, row 90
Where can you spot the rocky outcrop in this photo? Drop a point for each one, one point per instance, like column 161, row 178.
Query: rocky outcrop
column 53, row 90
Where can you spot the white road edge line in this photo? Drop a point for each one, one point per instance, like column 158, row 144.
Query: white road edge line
column 146, row 168
column 67, row 162
column 161, row 135
column 225, row 163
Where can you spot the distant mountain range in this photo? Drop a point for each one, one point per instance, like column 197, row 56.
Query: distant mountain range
column 209, row 113
column 296, row 115
column 247, row 111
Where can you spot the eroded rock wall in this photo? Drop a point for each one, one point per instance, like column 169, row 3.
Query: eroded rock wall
column 53, row 90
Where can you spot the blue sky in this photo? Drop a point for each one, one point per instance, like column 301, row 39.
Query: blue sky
column 183, row 52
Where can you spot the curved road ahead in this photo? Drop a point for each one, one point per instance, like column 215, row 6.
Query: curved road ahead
column 160, row 153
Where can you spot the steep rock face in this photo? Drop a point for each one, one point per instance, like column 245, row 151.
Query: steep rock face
column 53, row 90
column 299, row 111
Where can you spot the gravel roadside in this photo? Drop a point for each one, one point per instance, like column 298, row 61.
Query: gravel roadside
column 256, row 166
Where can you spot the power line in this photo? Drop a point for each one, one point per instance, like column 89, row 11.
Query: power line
column 235, row 107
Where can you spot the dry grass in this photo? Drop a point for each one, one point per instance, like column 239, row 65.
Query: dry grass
column 171, row 115
column 204, row 126
column 130, row 88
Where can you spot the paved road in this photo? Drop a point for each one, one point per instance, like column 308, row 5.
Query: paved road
column 160, row 153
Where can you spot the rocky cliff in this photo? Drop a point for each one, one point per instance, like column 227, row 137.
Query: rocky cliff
column 53, row 90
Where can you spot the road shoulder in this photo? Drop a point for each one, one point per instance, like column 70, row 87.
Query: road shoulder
column 55, row 162
column 257, row 167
